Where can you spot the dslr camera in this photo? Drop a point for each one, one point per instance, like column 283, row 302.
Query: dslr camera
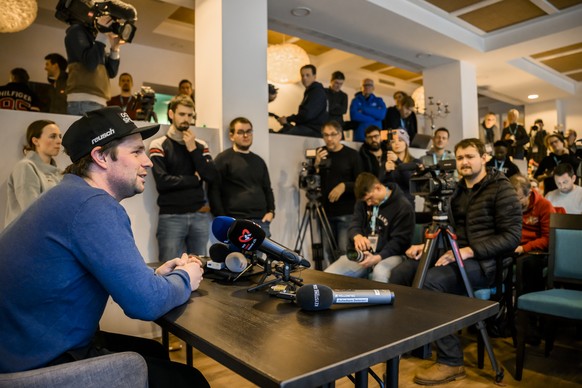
column 87, row 11
column 436, row 181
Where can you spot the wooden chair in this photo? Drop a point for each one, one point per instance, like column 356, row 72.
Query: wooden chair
column 564, row 270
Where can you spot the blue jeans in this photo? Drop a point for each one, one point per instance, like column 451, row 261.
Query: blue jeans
column 380, row 272
column 81, row 107
column 182, row 233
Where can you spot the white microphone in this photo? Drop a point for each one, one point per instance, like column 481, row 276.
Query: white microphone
column 315, row 297
column 236, row 262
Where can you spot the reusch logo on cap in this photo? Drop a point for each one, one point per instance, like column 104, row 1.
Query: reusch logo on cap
column 105, row 135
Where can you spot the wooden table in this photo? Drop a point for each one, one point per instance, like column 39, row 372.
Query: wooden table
column 273, row 343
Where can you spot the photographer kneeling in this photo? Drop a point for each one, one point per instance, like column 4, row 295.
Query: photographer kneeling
column 381, row 229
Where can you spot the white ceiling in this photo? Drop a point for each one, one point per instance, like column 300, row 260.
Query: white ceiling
column 410, row 34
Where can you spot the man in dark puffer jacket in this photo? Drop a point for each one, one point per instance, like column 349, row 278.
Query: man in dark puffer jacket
column 486, row 215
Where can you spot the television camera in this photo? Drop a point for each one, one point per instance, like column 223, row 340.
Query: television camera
column 309, row 179
column 87, row 11
column 146, row 97
column 436, row 183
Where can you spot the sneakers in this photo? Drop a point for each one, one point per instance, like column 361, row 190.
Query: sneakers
column 439, row 374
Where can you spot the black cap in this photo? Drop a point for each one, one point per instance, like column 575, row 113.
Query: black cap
column 272, row 89
column 99, row 127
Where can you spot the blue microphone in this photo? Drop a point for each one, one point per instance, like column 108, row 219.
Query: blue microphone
column 220, row 227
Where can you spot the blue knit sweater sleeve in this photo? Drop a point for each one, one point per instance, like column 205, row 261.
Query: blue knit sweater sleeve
column 102, row 238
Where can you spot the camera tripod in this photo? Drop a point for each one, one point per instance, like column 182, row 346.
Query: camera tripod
column 438, row 234
column 318, row 222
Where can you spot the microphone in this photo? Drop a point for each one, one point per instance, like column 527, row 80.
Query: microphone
column 315, row 297
column 248, row 236
column 218, row 253
column 220, row 227
column 236, row 262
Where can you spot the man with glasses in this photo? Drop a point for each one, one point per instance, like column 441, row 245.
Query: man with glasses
column 243, row 188
column 366, row 109
column 486, row 215
column 182, row 163
column 338, row 166
column 373, row 153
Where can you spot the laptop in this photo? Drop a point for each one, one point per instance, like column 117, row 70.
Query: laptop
column 421, row 141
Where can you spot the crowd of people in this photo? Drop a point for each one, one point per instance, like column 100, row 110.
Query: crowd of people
column 496, row 209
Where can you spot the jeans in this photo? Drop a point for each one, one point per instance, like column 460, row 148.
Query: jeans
column 445, row 278
column 339, row 228
column 300, row 130
column 81, row 107
column 182, row 233
column 380, row 272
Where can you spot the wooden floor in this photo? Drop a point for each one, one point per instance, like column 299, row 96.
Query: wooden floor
column 562, row 369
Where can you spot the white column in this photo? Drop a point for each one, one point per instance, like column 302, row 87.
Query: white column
column 231, row 67
column 456, row 85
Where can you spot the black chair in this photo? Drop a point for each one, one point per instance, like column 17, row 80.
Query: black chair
column 558, row 301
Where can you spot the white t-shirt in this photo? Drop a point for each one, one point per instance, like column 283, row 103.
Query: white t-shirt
column 571, row 201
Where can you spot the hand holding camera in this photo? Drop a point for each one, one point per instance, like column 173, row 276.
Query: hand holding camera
column 320, row 155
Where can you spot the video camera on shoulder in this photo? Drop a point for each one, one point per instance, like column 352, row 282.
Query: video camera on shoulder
column 86, row 11
column 435, row 181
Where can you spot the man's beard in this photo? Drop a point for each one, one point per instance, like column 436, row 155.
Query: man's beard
column 183, row 126
column 373, row 146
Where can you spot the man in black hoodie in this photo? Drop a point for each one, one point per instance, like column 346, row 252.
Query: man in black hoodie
column 312, row 110
column 486, row 214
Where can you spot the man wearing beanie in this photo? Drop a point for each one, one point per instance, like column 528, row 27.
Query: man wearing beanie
column 74, row 248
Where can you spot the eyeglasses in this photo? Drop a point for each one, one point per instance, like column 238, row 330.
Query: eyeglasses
column 368, row 85
column 371, row 137
column 248, row 132
column 330, row 134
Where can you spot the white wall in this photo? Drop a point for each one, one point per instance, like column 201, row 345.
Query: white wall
column 549, row 113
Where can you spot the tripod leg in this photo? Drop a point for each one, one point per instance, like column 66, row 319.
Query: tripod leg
column 480, row 325
column 327, row 231
column 428, row 255
column 302, row 230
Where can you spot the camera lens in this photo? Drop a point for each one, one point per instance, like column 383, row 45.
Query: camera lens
column 355, row 255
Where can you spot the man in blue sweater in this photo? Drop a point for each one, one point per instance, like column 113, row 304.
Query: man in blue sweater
column 73, row 248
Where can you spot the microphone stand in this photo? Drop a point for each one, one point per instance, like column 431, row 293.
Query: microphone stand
column 282, row 275
column 254, row 261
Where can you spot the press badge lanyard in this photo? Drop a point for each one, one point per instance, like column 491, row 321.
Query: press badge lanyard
column 375, row 211
column 500, row 166
column 434, row 157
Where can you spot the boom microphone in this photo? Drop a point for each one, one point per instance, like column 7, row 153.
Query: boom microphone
column 315, row 297
column 248, row 236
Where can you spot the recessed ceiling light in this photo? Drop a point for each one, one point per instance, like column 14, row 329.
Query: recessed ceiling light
column 300, row 11
column 423, row 55
column 533, row 96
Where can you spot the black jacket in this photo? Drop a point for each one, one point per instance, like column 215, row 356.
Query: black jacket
column 313, row 109
column 180, row 174
column 394, row 226
column 370, row 163
column 493, row 219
